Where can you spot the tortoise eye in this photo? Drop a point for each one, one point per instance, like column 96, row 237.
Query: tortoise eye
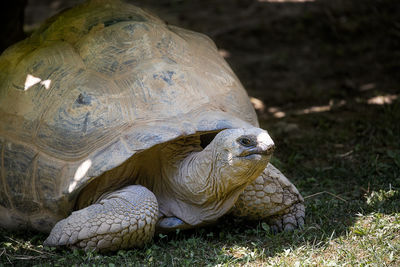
column 245, row 141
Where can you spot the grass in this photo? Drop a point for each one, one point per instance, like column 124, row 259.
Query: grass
column 344, row 159
column 357, row 223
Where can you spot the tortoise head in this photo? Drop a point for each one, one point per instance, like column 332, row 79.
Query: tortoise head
column 208, row 182
column 239, row 156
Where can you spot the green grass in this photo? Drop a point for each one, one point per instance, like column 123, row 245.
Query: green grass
column 345, row 160
column 352, row 202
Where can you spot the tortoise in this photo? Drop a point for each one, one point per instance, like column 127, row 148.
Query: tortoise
column 114, row 125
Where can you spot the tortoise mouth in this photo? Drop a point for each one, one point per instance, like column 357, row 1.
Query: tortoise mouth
column 258, row 150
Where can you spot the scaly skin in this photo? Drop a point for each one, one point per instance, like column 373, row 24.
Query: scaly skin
column 274, row 198
column 196, row 188
column 121, row 219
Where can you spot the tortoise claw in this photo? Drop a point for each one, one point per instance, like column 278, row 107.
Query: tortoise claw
column 289, row 221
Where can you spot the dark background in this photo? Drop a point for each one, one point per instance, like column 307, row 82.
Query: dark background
column 323, row 75
column 285, row 52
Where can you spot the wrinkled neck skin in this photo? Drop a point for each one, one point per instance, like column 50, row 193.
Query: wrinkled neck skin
column 193, row 184
column 199, row 186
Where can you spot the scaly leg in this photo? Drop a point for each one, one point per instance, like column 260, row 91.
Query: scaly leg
column 274, row 198
column 121, row 219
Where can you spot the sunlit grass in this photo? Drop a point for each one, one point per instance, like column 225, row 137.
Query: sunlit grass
column 343, row 156
column 352, row 215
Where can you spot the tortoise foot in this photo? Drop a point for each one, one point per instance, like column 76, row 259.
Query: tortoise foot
column 293, row 219
column 122, row 219
column 272, row 197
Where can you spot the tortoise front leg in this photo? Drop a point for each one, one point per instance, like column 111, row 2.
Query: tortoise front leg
column 121, row 219
column 274, row 198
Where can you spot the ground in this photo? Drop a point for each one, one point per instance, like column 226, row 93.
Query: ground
column 324, row 78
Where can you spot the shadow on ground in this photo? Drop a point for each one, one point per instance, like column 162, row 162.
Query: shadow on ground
column 323, row 76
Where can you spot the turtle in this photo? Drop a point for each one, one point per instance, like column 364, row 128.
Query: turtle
column 115, row 125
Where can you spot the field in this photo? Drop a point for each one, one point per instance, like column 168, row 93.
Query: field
column 324, row 79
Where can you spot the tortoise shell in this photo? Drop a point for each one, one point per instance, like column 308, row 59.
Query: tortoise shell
column 92, row 87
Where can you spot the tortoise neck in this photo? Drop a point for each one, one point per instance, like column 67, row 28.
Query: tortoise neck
column 196, row 175
column 185, row 167
column 191, row 190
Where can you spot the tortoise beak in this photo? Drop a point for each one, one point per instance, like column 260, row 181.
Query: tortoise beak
column 256, row 144
column 260, row 149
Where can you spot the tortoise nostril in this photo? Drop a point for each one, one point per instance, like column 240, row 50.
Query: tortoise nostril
column 270, row 149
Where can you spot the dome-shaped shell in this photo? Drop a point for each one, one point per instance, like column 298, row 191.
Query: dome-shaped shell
column 95, row 85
